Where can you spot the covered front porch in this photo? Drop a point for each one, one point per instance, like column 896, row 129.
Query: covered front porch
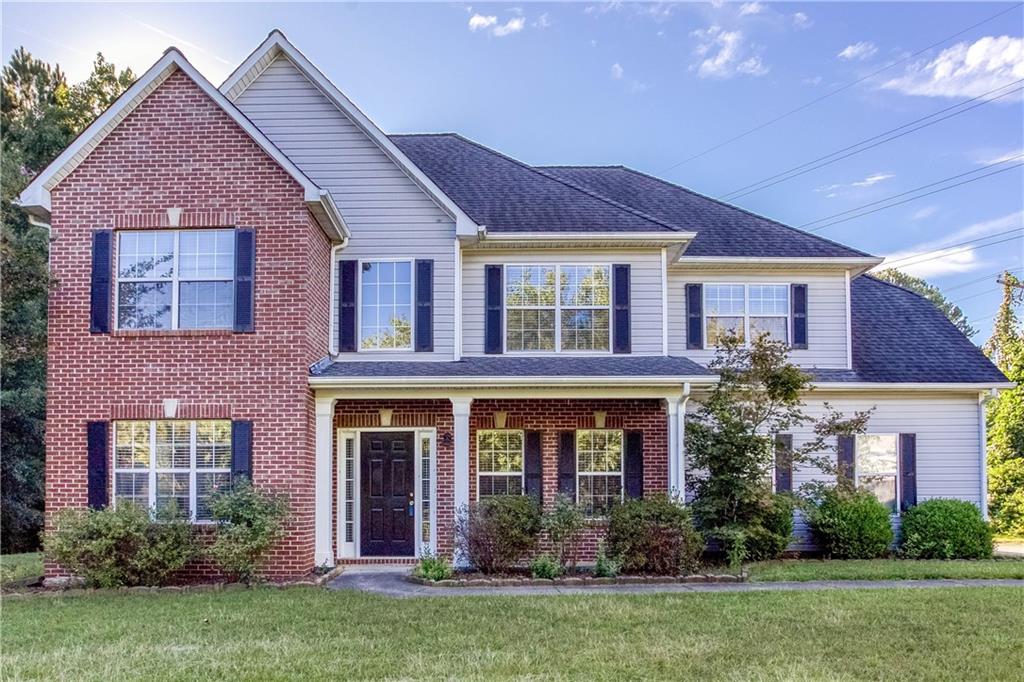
column 396, row 460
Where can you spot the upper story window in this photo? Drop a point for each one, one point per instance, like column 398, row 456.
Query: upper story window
column 876, row 469
column 556, row 308
column 747, row 310
column 499, row 462
column 175, row 279
column 385, row 305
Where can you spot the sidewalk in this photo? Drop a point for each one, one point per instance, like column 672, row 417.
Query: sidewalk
column 391, row 582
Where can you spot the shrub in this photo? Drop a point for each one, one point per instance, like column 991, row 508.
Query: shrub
column 653, row 535
column 565, row 523
column 495, row 533
column 545, row 567
column 605, row 566
column 770, row 537
column 122, row 546
column 945, row 529
column 250, row 521
column 852, row 525
column 433, row 568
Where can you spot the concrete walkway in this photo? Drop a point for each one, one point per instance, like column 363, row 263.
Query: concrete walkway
column 391, row 582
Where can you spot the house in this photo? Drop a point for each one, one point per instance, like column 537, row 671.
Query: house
column 256, row 280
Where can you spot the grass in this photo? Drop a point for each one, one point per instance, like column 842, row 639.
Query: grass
column 883, row 569
column 296, row 633
column 18, row 566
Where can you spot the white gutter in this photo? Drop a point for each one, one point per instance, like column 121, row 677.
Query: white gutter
column 983, row 399
column 452, row 381
column 909, row 386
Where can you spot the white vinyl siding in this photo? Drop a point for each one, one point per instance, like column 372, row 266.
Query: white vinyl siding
column 827, row 333
column 645, row 289
column 382, row 206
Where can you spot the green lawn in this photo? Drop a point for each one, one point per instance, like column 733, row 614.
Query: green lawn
column 18, row 566
column 883, row 569
column 965, row 633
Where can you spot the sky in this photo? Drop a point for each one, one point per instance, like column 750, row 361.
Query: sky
column 665, row 88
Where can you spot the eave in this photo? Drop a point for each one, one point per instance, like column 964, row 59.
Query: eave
column 855, row 264
column 675, row 242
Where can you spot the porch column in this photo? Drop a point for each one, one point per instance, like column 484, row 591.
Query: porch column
column 322, row 489
column 460, row 411
column 672, row 403
column 681, row 449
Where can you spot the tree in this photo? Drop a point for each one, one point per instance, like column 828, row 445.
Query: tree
column 730, row 439
column 932, row 293
column 1005, row 416
column 39, row 115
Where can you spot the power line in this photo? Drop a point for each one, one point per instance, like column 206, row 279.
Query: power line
column 980, row 293
column 944, row 251
column 906, row 201
column 792, row 172
column 835, row 91
column 980, row 279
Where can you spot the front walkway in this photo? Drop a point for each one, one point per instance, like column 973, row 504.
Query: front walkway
column 390, row 582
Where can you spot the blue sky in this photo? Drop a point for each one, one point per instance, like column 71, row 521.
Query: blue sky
column 651, row 85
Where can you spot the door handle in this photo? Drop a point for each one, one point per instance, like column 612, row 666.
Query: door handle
column 412, row 504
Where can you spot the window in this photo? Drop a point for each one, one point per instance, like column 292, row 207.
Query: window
column 876, row 468
column 598, row 470
column 499, row 463
column 748, row 310
column 172, row 465
column 425, row 502
column 385, row 305
column 555, row 308
column 171, row 279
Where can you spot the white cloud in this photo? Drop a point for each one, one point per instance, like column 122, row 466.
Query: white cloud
column 816, row 80
column 511, row 26
column 478, row 21
column 730, row 55
column 1013, row 154
column 801, row 21
column 965, row 70
column 751, row 8
column 543, row 21
column 859, row 51
column 617, row 71
column 943, row 258
column 873, row 179
column 926, row 212
column 834, row 190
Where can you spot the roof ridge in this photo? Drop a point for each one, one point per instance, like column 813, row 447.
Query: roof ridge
column 743, row 210
column 571, row 185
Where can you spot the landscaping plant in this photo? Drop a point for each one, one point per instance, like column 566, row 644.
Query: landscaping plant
column 851, row 524
column 945, row 529
column 565, row 523
column 250, row 521
column 545, row 567
column 120, row 546
column 605, row 566
column 433, row 568
column 654, row 535
column 497, row 532
column 731, row 447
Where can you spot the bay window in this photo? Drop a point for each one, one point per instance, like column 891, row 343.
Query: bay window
column 599, row 470
column 499, row 462
column 746, row 310
column 876, row 467
column 557, row 308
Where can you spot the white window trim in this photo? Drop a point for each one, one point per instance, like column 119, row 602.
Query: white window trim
column 412, row 304
column 152, row 469
column 622, row 467
column 507, row 474
column 557, row 308
column 895, row 473
column 746, row 310
column 174, row 280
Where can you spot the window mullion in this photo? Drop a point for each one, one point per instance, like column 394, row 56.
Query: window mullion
column 192, row 477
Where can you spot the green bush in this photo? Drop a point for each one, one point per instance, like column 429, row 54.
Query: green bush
column 565, row 523
column 653, row 535
column 605, row 566
column 122, row 546
column 945, row 529
column 250, row 521
column 433, row 568
column 852, row 525
column 545, row 567
column 495, row 533
column 768, row 539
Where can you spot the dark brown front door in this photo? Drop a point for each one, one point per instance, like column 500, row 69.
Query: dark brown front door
column 386, row 494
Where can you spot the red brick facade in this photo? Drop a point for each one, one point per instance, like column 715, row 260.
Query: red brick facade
column 178, row 149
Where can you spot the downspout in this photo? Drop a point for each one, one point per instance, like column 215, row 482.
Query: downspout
column 682, row 441
column 983, row 399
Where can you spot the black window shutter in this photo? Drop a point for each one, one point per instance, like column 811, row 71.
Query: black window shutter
column 908, row 470
column 245, row 270
column 424, row 306
column 567, row 463
column 532, row 465
column 99, row 295
column 495, row 298
column 783, row 462
column 96, row 436
column 845, row 457
column 241, row 449
column 798, row 301
column 621, row 323
column 347, row 296
column 694, row 316
column 633, row 466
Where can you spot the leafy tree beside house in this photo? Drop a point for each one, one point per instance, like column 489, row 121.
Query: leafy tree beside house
column 932, row 293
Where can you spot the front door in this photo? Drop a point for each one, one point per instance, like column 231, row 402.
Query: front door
column 387, row 515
